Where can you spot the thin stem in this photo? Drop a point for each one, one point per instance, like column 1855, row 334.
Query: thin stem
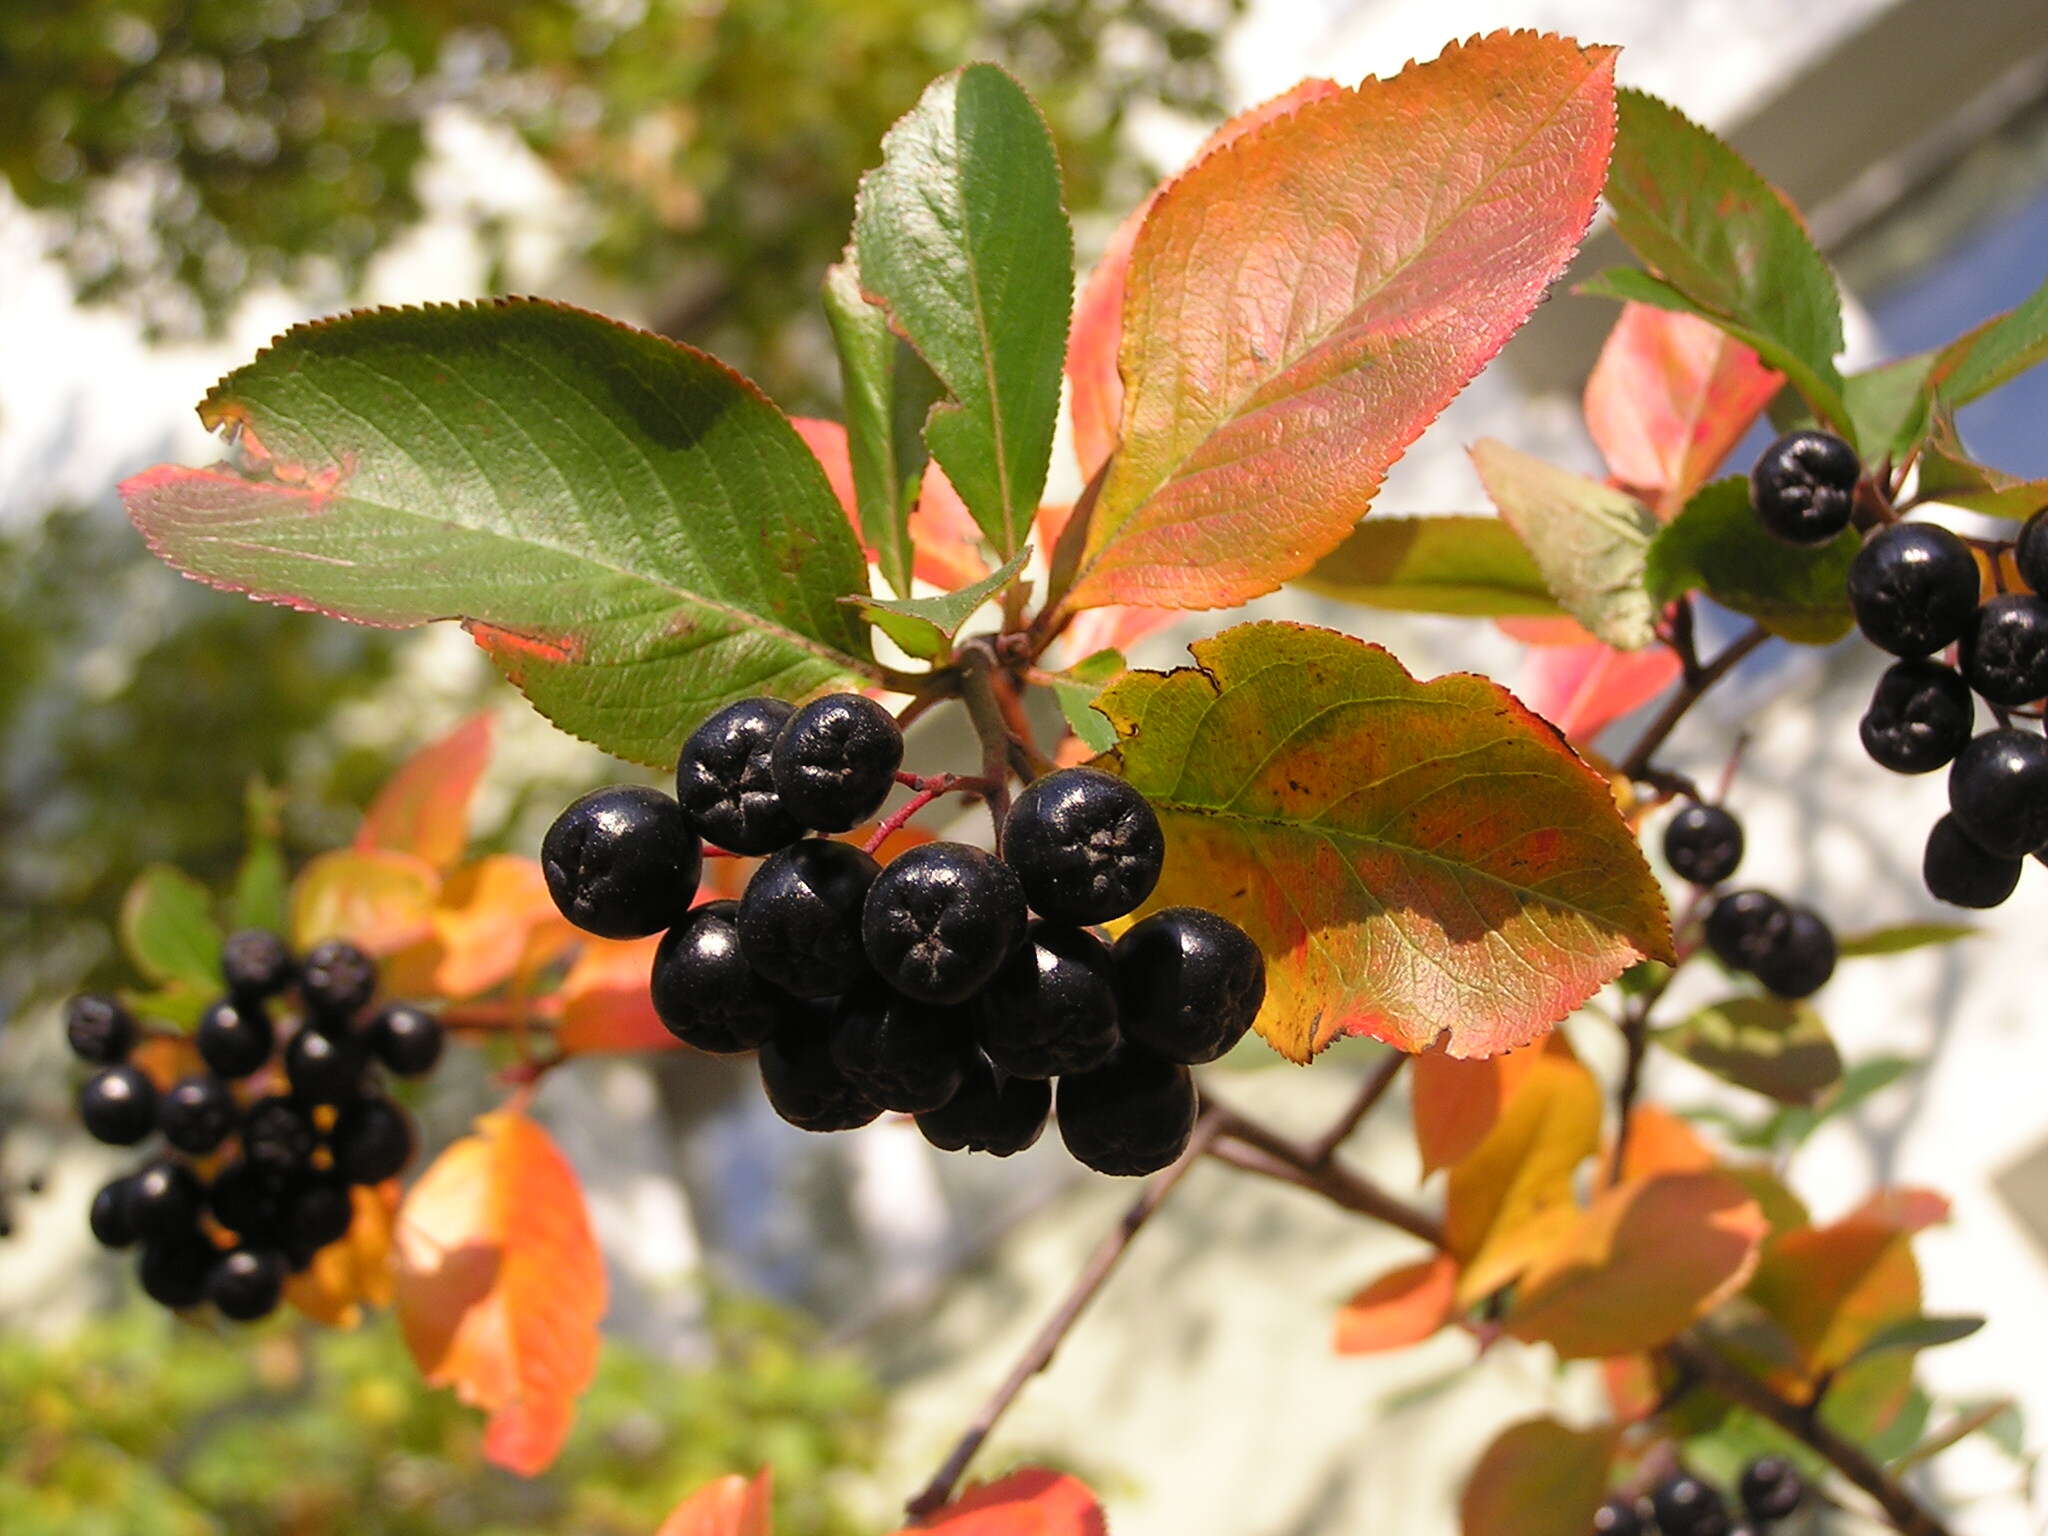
column 1259, row 1149
column 978, row 692
column 1689, row 694
column 1370, row 1092
column 928, row 790
column 1635, row 1033
column 1038, row 1354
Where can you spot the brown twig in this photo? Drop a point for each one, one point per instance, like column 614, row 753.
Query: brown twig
column 1689, row 694
column 1255, row 1148
column 1324, row 1148
column 978, row 692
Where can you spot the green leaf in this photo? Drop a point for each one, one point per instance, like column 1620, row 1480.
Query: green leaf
column 1470, row 566
column 925, row 626
column 261, row 881
column 1897, row 940
column 962, row 235
column 1717, row 546
column 1889, row 406
column 168, row 929
column 1998, row 353
column 1790, row 1126
column 1949, row 475
column 1913, row 1334
column 1077, row 689
column 1769, row 1045
column 887, row 393
column 1999, row 1420
column 1705, row 222
column 630, row 529
column 1588, row 539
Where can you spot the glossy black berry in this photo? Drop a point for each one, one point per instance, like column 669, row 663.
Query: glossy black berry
column 278, row 1135
column 991, row 1113
column 703, row 990
column 1804, row 487
column 174, row 1271
column 1133, row 1115
column 1998, row 789
column 1742, row 925
column 1799, row 956
column 1771, row 1489
column 1086, row 846
column 112, row 1227
column 1703, row 844
column 800, row 917
column 256, row 964
column 2004, row 654
column 1685, row 1506
column 98, row 1029
column 804, row 1084
column 118, row 1105
column 164, row 1199
column 1052, row 1008
column 372, row 1141
column 1913, row 587
column 2030, row 552
column 940, row 919
column 247, row 1199
column 724, row 783
column 197, row 1113
column 1617, row 1517
column 1189, row 982
column 835, row 761
column 313, row 1212
column 234, row 1039
column 1919, row 718
column 246, row 1283
column 323, row 1068
column 337, row 981
column 406, row 1039
column 622, row 862
column 1960, row 873
column 901, row 1054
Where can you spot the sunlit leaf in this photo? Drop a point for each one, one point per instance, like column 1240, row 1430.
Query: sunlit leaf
column 1998, row 353
column 925, row 626
column 1718, row 546
column 1469, row 566
column 1832, row 1289
column 1078, row 688
column 423, row 808
column 604, row 1000
column 1457, row 1100
column 1402, row 1307
column 356, row 1271
column 381, row 900
column 1583, row 689
column 1032, row 1502
column 726, row 1506
column 1538, row 1478
column 168, row 929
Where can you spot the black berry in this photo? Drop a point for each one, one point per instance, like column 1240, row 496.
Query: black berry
column 174, row 1271
column 372, row 1141
column 323, row 1068
column 900, row 1054
column 1086, row 846
column 724, row 784
column 940, row 919
column 836, row 760
column 1617, row 1517
column 1998, row 789
column 1799, row 956
column 98, row 1029
column 703, row 990
column 1131, row 1116
column 1804, row 486
column 2004, row 654
column 255, row 964
column 314, row 1212
column 1919, row 718
column 337, row 980
column 164, row 1199
column 1771, row 1489
column 1189, row 982
column 234, row 1039
column 246, row 1199
column 1957, row 871
column 406, row 1039
column 991, row 1113
column 800, row 917
column 1685, row 1506
column 278, row 1136
column 1703, row 844
column 118, row 1105
column 246, row 1283
column 197, row 1114
column 1742, row 925
column 1052, row 1008
column 2030, row 552
column 1913, row 587
column 804, row 1084
column 622, row 862
column 112, row 1227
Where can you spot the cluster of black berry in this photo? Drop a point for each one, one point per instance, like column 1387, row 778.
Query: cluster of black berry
column 1916, row 590
column 1682, row 1505
column 1788, row 947
column 263, row 1145
column 927, row 987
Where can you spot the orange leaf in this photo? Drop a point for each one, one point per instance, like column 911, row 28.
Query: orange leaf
column 1669, row 398
column 382, row 900
column 495, row 920
column 423, row 808
column 730, row 1506
column 1644, row 1261
column 1458, row 1099
column 1032, row 1502
column 1660, row 1142
column 1303, row 301
column 500, row 1286
column 1908, row 1209
column 1831, row 1288
column 1402, row 1307
column 827, row 442
column 604, row 1001
column 354, row 1272
column 1631, row 1383
column 1583, row 689
column 1538, row 1478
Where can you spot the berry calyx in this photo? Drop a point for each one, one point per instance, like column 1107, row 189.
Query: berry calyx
column 406, row 1039
column 1189, row 983
column 1913, row 586
column 1131, row 1116
column 337, row 981
column 940, row 919
column 1703, row 844
column 372, row 1141
column 1771, row 1488
column 118, row 1105
column 1798, row 956
column 805, row 1086
column 323, row 1068
column 991, row 1113
column 164, row 1199
column 2030, row 552
column 278, row 1136
column 255, row 964
column 703, row 990
column 1919, row 718
column 1617, row 1517
column 622, row 862
column 234, row 1039
column 174, row 1271
column 835, row 761
column 1052, row 1008
column 800, row 917
column 246, row 1284
column 1804, row 486
column 1960, row 873
column 98, row 1029
column 197, row 1114
column 1742, row 925
column 111, row 1225
column 724, row 784
column 901, row 1054
column 2004, row 654
column 1685, row 1506
column 1998, row 789
column 1085, row 845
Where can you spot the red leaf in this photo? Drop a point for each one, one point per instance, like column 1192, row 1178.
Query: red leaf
column 1668, row 400
column 1403, row 1307
column 1908, row 1209
column 1583, row 689
column 731, row 1506
column 604, row 1001
column 827, row 440
column 1458, row 1099
column 423, row 808
column 1304, row 301
column 1032, row 1502
column 500, row 1286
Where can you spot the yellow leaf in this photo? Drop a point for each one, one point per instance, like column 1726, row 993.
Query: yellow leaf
column 354, row 1272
